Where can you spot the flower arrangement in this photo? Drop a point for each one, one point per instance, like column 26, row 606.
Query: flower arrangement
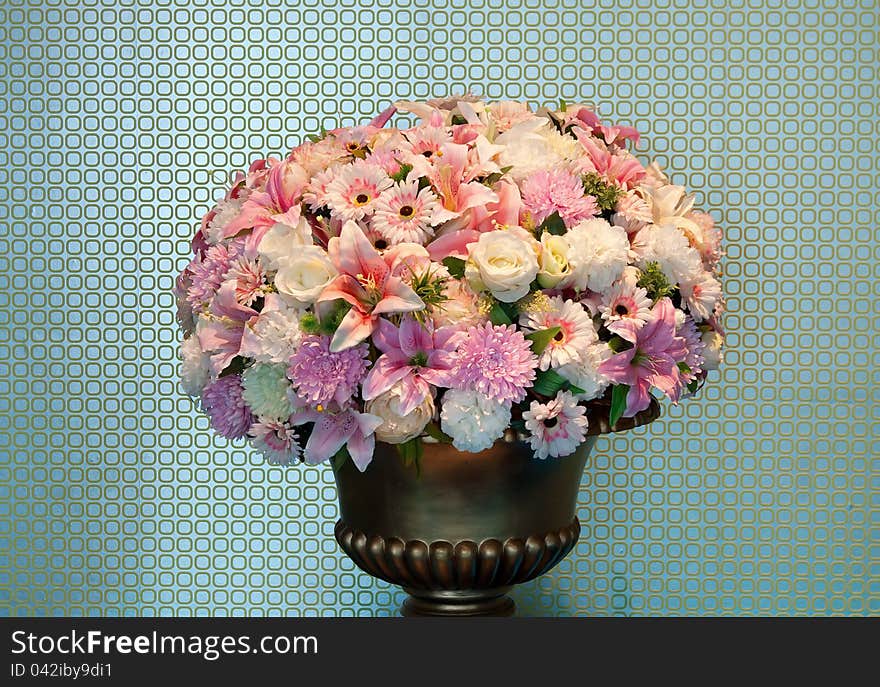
column 488, row 270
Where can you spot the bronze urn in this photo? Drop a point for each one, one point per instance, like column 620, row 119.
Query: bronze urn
column 464, row 528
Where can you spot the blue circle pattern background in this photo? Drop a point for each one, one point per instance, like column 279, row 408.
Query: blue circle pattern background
column 119, row 122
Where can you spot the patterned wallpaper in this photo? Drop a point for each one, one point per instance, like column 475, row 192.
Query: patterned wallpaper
column 118, row 123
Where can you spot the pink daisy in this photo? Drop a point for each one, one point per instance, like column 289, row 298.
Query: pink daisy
column 278, row 441
column 702, row 293
column 249, row 277
column 353, row 193
column 321, row 377
column 387, row 159
column 315, row 195
column 576, row 332
column 495, row 360
column 222, row 400
column 625, row 302
column 403, row 214
column 557, row 190
column 557, row 427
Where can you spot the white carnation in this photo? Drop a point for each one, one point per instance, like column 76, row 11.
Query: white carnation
column 195, row 367
column 666, row 245
column 534, row 145
column 584, row 373
column 598, row 254
column 275, row 335
column 473, row 421
column 226, row 211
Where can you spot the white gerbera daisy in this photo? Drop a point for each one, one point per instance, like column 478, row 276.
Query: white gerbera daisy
column 557, row 427
column 575, row 335
column 625, row 302
column 353, row 193
column 404, row 214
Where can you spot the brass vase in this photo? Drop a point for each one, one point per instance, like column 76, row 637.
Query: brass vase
column 462, row 530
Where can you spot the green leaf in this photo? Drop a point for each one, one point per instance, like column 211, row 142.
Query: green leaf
column 455, row 266
column 684, row 368
column 339, row 458
column 542, row 338
column 498, row 315
column 576, row 390
column 548, row 382
column 554, row 224
column 618, row 344
column 693, row 385
column 402, row 172
column 618, row 402
column 411, row 453
column 433, row 431
column 236, row 366
column 458, row 119
column 562, row 105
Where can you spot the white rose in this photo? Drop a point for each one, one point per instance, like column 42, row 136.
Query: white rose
column 473, row 421
column 553, row 261
column 712, row 354
column 304, row 276
column 397, row 428
column 283, row 242
column 502, row 262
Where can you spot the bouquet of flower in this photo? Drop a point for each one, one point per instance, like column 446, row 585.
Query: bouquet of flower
column 488, row 270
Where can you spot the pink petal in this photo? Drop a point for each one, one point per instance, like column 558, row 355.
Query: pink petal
column 353, row 254
column 385, row 373
column 414, row 337
column 361, row 447
column 415, row 390
column 354, row 328
column 345, row 288
column 383, row 117
column 398, row 298
column 326, row 439
column 386, row 336
column 454, row 244
column 638, row 398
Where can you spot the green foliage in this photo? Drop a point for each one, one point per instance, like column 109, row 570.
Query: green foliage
column 554, row 224
column 503, row 313
column 309, row 324
column 455, row 266
column 430, row 288
column 606, row 194
column 400, row 175
column 548, row 382
column 541, row 339
column 655, row 282
column 433, row 431
column 339, row 458
column 618, row 344
column 618, row 402
column 236, row 366
column 332, row 319
column 411, row 453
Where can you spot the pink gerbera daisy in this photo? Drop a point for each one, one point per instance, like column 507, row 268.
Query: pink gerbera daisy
column 278, row 441
column 353, row 193
column 495, row 360
column 403, row 214
column 625, row 302
column 576, row 331
column 321, row 377
column 557, row 190
column 315, row 195
column 557, row 427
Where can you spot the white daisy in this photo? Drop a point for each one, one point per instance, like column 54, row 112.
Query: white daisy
column 352, row 195
column 557, row 427
column 625, row 302
column 403, row 214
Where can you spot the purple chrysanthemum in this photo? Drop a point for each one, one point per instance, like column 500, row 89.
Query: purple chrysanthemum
column 495, row 360
column 208, row 272
column 321, row 377
column 557, row 190
column 222, row 400
column 691, row 335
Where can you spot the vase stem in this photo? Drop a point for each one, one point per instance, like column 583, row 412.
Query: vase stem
column 458, row 604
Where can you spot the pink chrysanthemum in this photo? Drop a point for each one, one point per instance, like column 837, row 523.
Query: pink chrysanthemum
column 208, row 272
column 403, row 214
column 576, row 331
column 688, row 331
column 321, row 377
column 557, row 427
column 625, row 302
column 278, row 441
column 249, row 277
column 495, row 360
column 222, row 400
column 353, row 193
column 557, row 190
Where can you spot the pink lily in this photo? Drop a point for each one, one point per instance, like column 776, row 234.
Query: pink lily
column 452, row 176
column 221, row 334
column 338, row 428
column 416, row 356
column 366, row 283
column 652, row 360
column 623, row 169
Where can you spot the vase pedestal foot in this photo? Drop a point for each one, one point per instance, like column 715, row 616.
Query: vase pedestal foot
column 458, row 604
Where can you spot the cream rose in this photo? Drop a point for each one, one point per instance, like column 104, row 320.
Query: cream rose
column 502, row 262
column 553, row 261
column 283, row 242
column 304, row 276
column 397, row 428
